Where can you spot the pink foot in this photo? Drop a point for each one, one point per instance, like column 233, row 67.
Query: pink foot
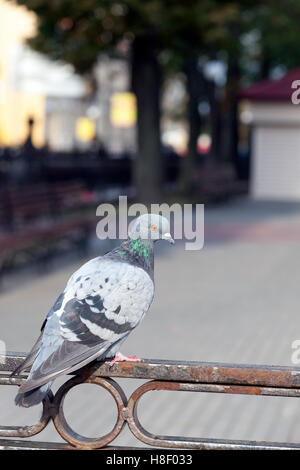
column 119, row 357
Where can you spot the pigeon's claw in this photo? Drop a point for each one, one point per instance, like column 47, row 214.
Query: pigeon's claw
column 119, row 357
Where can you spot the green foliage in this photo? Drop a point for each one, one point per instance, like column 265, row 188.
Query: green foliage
column 278, row 27
column 77, row 31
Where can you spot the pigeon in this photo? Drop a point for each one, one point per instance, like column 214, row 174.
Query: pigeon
column 103, row 302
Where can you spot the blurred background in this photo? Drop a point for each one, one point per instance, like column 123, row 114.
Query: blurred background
column 162, row 101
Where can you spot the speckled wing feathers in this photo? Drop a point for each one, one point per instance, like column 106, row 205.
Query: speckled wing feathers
column 102, row 303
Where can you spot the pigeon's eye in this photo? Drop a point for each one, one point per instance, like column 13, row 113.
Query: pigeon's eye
column 153, row 227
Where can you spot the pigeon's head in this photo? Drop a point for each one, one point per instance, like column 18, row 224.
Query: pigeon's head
column 150, row 227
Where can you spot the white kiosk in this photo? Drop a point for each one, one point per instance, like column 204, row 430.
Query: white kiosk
column 275, row 167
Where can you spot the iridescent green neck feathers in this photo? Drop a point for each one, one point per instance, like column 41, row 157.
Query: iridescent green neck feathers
column 139, row 252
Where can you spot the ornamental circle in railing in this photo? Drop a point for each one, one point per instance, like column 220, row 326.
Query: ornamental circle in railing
column 67, row 433
column 167, row 375
column 32, row 430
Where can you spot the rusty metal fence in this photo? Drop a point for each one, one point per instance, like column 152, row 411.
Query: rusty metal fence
column 161, row 375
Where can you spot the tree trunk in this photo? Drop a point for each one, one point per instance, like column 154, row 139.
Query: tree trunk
column 146, row 81
column 232, row 100
column 215, row 124
column 194, row 79
column 265, row 64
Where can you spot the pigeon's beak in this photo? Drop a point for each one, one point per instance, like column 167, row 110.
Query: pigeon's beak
column 168, row 238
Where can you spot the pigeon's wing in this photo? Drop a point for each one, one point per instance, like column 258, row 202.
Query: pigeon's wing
column 84, row 270
column 64, row 359
column 30, row 358
column 97, row 312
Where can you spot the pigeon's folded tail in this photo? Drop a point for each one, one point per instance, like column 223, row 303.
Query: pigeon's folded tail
column 33, row 397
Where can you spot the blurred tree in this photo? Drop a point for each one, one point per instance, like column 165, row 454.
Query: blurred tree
column 146, row 84
column 262, row 36
column 185, row 36
column 209, row 30
column 173, row 35
column 77, row 32
column 247, row 36
column 276, row 37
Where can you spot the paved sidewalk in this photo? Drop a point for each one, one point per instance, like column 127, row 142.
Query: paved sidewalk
column 237, row 300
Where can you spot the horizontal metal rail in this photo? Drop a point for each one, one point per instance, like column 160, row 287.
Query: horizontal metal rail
column 162, row 375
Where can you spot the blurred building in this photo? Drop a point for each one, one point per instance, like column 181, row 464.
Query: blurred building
column 31, row 85
column 16, row 24
column 275, row 121
column 65, row 117
column 117, row 107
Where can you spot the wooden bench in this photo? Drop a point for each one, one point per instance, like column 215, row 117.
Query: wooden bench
column 33, row 219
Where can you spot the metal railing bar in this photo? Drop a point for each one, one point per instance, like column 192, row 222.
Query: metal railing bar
column 182, row 371
column 13, row 444
column 207, row 377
